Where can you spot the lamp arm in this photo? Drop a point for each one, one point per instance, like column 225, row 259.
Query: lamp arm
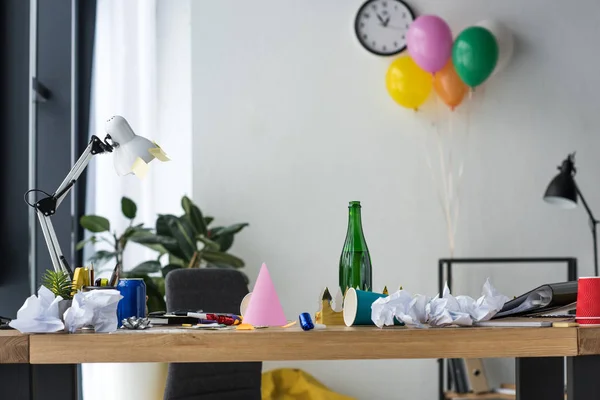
column 593, row 227
column 96, row 146
column 586, row 206
column 46, row 207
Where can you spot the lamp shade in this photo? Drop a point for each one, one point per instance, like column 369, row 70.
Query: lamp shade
column 562, row 190
column 128, row 145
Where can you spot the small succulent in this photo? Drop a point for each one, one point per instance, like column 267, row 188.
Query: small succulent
column 59, row 283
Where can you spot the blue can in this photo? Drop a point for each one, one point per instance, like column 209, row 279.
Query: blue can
column 133, row 303
column 306, row 321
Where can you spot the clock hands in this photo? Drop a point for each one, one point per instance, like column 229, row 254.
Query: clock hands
column 385, row 22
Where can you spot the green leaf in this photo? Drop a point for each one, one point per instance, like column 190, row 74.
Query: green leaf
column 186, row 219
column 194, row 214
column 214, row 232
column 225, row 241
column 128, row 207
column 95, row 223
column 224, row 235
column 168, row 268
column 208, row 220
column 102, row 257
column 223, row 258
column 81, row 244
column 147, row 267
column 163, row 229
column 232, row 229
column 185, row 238
column 208, row 244
column 133, row 231
column 59, row 283
column 150, row 240
column 162, row 226
column 176, row 261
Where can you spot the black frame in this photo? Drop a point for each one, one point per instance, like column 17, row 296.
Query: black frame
column 357, row 34
column 445, row 265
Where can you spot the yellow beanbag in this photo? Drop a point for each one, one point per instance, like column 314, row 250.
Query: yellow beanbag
column 295, row 384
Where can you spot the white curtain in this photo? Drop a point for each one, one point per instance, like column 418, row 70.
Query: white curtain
column 142, row 71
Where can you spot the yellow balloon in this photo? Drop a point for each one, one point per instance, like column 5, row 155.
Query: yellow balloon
column 407, row 83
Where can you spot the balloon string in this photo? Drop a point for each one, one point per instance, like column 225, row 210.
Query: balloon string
column 445, row 179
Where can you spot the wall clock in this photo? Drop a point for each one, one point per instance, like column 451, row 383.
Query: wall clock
column 381, row 26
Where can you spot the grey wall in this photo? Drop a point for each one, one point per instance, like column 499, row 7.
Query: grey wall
column 291, row 120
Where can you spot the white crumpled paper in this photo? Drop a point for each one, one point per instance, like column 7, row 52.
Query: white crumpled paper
column 39, row 313
column 419, row 309
column 97, row 308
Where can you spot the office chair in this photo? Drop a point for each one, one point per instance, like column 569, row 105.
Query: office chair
column 210, row 290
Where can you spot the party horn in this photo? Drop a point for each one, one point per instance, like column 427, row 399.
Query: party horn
column 357, row 307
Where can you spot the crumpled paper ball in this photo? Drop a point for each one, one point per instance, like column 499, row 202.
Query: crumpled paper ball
column 39, row 313
column 97, row 308
column 420, row 310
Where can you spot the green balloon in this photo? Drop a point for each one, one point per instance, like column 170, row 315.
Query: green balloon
column 475, row 54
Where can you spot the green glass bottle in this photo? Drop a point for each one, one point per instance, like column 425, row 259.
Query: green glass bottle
column 355, row 261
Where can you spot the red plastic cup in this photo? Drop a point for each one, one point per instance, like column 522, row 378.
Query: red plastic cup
column 588, row 301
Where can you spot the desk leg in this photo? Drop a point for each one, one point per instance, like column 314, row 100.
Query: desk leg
column 38, row 382
column 540, row 378
column 54, row 382
column 583, row 379
column 14, row 381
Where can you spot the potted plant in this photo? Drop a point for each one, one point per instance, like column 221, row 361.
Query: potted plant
column 184, row 241
column 59, row 283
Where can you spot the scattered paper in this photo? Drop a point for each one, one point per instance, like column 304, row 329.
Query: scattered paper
column 140, row 168
column 420, row 310
column 39, row 313
column 97, row 308
column 159, row 153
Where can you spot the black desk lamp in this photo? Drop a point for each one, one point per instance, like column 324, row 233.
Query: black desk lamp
column 563, row 192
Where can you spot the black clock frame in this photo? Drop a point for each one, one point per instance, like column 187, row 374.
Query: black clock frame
column 356, row 22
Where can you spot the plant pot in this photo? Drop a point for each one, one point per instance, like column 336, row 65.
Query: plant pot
column 63, row 305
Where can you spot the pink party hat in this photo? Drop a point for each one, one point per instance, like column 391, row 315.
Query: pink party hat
column 264, row 308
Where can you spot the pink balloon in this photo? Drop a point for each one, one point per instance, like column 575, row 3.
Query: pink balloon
column 429, row 42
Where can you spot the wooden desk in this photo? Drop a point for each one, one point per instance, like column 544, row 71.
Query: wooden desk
column 540, row 352
column 335, row 343
column 14, row 347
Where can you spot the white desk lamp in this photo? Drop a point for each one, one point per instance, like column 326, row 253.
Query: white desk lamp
column 129, row 149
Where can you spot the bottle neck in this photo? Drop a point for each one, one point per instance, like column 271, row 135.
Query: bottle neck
column 354, row 220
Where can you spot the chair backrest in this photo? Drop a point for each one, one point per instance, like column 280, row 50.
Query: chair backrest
column 210, row 290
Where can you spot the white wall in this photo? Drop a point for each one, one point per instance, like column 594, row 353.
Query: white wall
column 291, row 120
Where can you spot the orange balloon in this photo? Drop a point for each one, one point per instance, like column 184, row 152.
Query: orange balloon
column 448, row 85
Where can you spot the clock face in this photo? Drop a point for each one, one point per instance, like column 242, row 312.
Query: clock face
column 381, row 26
